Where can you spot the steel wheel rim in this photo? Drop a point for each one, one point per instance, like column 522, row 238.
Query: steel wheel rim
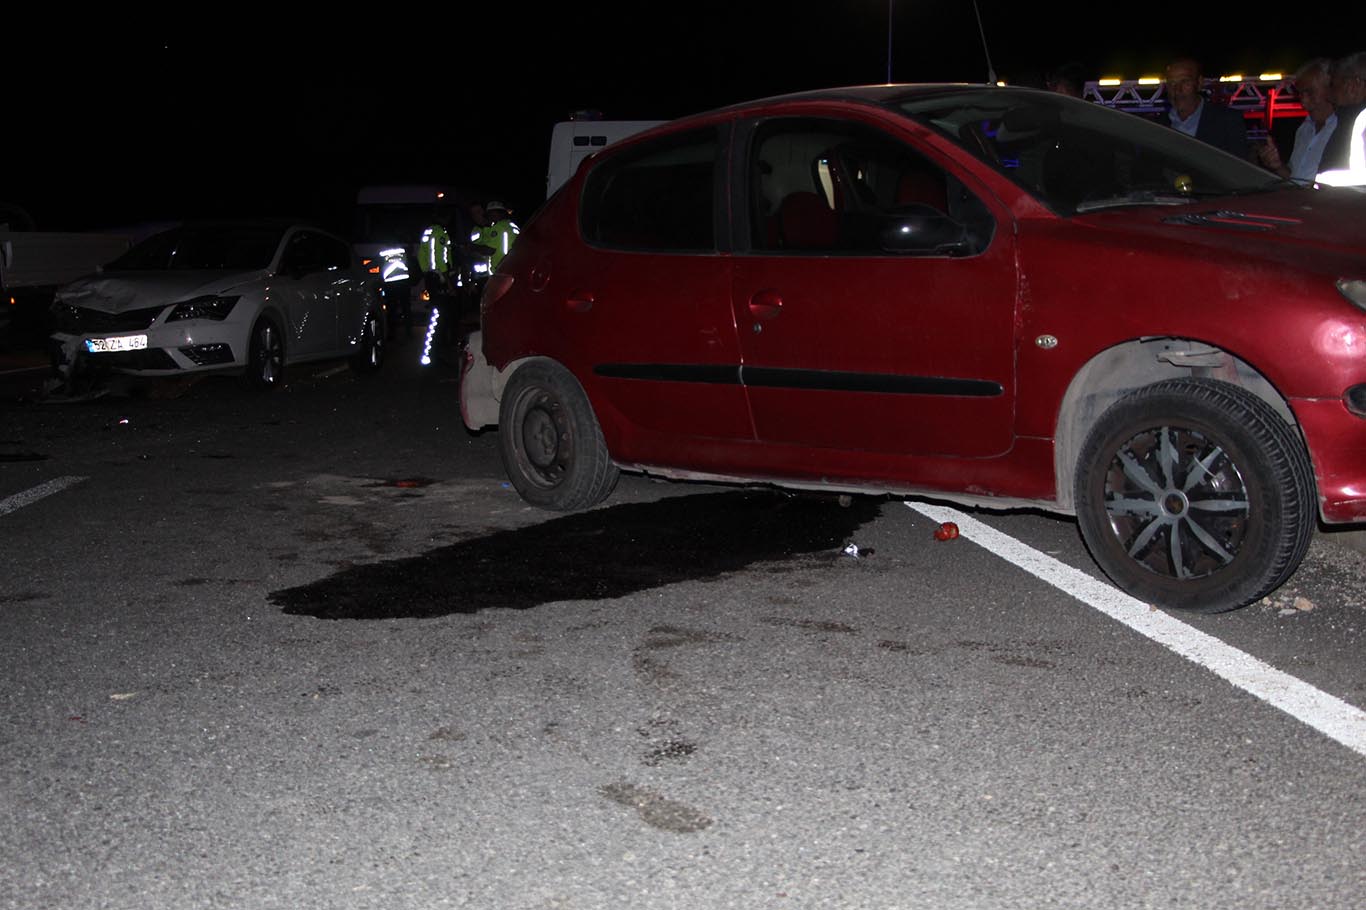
column 543, row 439
column 1177, row 503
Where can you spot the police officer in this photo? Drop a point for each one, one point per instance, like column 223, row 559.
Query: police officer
column 496, row 236
column 434, row 257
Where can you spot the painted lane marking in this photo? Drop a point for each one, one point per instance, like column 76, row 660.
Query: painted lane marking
column 1331, row 716
column 33, row 494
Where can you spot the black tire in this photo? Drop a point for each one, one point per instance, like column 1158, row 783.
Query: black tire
column 550, row 441
column 265, row 356
column 1195, row 495
column 369, row 357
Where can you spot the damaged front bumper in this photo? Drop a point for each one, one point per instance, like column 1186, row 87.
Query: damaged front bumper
column 481, row 386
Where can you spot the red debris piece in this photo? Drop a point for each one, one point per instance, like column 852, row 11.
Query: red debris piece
column 946, row 531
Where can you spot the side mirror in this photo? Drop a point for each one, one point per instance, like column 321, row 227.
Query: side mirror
column 923, row 229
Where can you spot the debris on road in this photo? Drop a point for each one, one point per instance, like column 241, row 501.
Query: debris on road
column 946, row 531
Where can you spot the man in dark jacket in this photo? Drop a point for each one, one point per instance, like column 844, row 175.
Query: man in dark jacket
column 1220, row 126
column 1347, row 88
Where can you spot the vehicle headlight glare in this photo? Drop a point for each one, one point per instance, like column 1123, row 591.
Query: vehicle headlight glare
column 212, row 306
column 1354, row 289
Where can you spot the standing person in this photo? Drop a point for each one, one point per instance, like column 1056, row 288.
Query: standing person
column 434, row 259
column 1347, row 85
column 498, row 234
column 1221, row 127
column 1312, row 84
column 1067, row 79
column 398, row 288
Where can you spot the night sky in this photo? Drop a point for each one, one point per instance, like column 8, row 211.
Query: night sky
column 139, row 118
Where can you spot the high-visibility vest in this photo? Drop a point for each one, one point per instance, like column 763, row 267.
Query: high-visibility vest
column 497, row 237
column 434, row 250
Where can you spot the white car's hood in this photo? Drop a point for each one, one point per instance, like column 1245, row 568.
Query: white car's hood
column 119, row 292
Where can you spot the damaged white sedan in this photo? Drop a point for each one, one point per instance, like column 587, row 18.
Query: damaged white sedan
column 244, row 297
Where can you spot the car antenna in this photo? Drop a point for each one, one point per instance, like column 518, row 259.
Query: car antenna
column 991, row 72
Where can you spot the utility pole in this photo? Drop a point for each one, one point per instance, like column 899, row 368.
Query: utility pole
column 890, row 4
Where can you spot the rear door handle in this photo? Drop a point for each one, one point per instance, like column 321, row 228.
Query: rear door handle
column 765, row 304
column 580, row 301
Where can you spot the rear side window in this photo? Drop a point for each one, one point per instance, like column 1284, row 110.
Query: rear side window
column 660, row 196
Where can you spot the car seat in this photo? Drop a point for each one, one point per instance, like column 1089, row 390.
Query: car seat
column 924, row 187
column 806, row 222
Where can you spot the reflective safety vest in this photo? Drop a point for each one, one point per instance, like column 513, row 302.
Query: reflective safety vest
column 497, row 237
column 434, row 250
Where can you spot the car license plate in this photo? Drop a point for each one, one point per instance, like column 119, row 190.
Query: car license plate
column 121, row 343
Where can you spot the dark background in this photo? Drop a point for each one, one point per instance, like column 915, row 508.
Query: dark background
column 196, row 111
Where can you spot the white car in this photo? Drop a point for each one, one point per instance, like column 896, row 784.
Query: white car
column 245, row 297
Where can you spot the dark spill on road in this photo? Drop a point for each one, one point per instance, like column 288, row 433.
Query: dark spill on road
column 602, row 553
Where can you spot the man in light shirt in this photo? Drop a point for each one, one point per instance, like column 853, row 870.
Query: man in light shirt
column 1312, row 84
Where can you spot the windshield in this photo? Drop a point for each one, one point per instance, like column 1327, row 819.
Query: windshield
column 1079, row 156
column 214, row 247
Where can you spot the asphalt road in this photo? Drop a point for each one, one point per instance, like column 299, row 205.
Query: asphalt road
column 308, row 650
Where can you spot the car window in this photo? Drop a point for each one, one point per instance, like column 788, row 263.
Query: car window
column 1077, row 156
column 832, row 186
column 335, row 253
column 209, row 247
column 308, row 252
column 659, row 196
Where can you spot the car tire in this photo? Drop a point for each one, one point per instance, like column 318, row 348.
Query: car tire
column 1195, row 495
column 369, row 357
column 265, row 356
column 550, row 441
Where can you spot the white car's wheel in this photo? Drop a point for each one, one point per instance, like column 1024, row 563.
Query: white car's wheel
column 370, row 355
column 265, row 356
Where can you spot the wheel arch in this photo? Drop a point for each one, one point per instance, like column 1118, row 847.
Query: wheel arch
column 486, row 400
column 1113, row 373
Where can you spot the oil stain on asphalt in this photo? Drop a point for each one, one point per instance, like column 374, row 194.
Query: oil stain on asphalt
column 602, row 553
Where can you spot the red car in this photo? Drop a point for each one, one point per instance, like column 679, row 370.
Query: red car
column 995, row 296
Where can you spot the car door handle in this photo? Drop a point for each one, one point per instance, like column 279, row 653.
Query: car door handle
column 580, row 301
column 765, row 304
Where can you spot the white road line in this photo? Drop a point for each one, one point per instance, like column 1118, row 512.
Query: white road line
column 33, row 494
column 1331, row 716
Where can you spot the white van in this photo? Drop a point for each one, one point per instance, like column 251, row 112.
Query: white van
column 388, row 220
column 571, row 141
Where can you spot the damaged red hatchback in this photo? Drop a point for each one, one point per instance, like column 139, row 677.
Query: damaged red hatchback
column 994, row 296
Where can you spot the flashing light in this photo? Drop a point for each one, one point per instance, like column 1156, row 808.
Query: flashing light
column 1149, row 80
column 1355, row 172
column 1110, row 80
column 1234, row 78
column 426, row 359
column 1271, row 77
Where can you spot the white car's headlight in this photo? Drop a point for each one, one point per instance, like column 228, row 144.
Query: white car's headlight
column 213, row 307
column 1354, row 289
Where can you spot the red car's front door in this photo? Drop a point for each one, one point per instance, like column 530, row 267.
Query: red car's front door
column 851, row 343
